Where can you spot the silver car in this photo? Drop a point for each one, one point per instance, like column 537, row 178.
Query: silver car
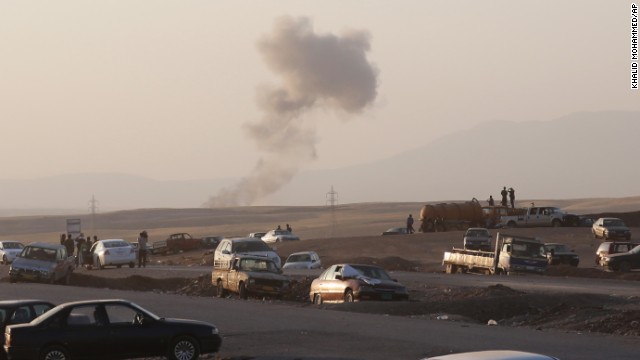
column 274, row 236
column 610, row 228
column 303, row 260
column 229, row 248
column 9, row 250
column 493, row 355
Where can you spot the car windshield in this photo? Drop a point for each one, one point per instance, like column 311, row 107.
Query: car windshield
column 484, row 233
column 12, row 245
column 116, row 244
column 248, row 246
column 614, row 222
column 257, row 265
column 526, row 249
column 299, row 258
column 371, row 272
column 37, row 253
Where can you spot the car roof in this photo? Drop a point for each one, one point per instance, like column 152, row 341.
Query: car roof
column 111, row 240
column 46, row 245
column 493, row 355
column 477, row 228
column 243, row 239
column 22, row 302
column 303, row 252
column 97, row 301
column 10, row 241
column 352, row 264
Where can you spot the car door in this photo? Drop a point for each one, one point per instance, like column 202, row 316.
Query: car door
column 84, row 335
column 131, row 337
column 332, row 288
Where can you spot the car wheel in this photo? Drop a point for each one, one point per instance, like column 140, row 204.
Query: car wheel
column 220, row 291
column 348, row 296
column 132, row 265
column 512, row 224
column 242, row 291
column 99, row 264
column 317, row 299
column 556, row 223
column 118, row 266
column 12, row 279
column 54, row 353
column 624, row 266
column 184, row 348
column 5, row 260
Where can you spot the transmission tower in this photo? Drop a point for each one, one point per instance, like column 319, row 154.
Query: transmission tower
column 93, row 208
column 332, row 201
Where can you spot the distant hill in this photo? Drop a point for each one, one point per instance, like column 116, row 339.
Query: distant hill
column 579, row 156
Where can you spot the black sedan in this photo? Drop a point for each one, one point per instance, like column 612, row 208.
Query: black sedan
column 20, row 312
column 109, row 329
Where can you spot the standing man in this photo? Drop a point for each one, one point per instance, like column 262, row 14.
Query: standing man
column 142, row 248
column 80, row 245
column 512, row 197
column 410, row 224
column 490, row 201
column 504, row 196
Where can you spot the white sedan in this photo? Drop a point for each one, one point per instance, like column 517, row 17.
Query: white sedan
column 274, row 236
column 113, row 252
column 303, row 260
column 9, row 250
column 493, row 355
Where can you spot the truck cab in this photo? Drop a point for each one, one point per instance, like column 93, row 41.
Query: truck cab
column 534, row 216
column 522, row 254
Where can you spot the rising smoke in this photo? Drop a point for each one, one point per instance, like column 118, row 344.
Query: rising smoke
column 316, row 70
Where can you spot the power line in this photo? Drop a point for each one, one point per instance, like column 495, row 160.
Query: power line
column 332, row 201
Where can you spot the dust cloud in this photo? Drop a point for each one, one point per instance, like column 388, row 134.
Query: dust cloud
column 316, row 71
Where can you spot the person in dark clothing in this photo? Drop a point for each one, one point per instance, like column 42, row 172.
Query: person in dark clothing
column 80, row 243
column 63, row 238
column 70, row 245
column 504, row 196
column 143, row 239
column 490, row 201
column 410, row 224
column 512, row 197
column 289, row 229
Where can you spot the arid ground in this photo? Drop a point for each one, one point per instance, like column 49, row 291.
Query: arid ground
column 351, row 233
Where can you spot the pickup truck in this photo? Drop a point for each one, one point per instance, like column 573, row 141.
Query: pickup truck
column 512, row 254
column 255, row 275
column 534, row 216
column 176, row 243
column 43, row 262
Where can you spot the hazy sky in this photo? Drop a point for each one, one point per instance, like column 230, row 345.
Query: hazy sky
column 168, row 89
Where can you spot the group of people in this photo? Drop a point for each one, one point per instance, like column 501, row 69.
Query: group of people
column 505, row 192
column 83, row 245
column 80, row 243
column 288, row 228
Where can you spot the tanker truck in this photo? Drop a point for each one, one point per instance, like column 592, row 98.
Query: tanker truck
column 451, row 216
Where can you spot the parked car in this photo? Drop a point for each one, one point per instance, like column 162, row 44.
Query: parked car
column 354, row 282
column 113, row 252
column 613, row 247
column 109, row 329
column 623, row 262
column 9, row 250
column 477, row 239
column 396, row 231
column 610, row 228
column 493, row 355
column 258, row 235
column 175, row 243
column 560, row 254
column 43, row 262
column 303, row 260
column 210, row 242
column 20, row 312
column 250, row 275
column 274, row 236
column 230, row 247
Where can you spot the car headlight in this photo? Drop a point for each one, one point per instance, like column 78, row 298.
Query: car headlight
column 214, row 331
column 252, row 281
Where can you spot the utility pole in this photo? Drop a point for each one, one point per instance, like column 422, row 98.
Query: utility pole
column 332, row 201
column 93, row 207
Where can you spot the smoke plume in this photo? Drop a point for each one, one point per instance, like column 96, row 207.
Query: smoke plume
column 316, row 70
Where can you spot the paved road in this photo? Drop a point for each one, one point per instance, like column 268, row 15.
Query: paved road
column 282, row 331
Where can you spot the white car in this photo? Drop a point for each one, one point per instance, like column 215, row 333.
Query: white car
column 303, row 260
column 113, row 252
column 493, row 355
column 9, row 249
column 229, row 248
column 274, row 236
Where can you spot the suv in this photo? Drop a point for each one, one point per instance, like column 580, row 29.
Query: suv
column 560, row 254
column 610, row 228
column 43, row 262
column 612, row 247
column 477, row 239
column 228, row 248
column 622, row 262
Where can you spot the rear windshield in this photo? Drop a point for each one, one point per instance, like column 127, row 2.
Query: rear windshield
column 12, row 245
column 247, row 246
column 299, row 258
column 116, row 244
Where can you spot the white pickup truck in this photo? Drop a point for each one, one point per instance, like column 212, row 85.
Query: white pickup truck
column 534, row 216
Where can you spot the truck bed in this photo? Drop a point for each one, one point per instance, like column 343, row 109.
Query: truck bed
column 469, row 258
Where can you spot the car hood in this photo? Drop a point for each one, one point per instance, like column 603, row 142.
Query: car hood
column 380, row 282
column 22, row 263
column 297, row 265
column 187, row 322
column 266, row 275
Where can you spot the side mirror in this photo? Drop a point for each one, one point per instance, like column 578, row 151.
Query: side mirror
column 339, row 277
